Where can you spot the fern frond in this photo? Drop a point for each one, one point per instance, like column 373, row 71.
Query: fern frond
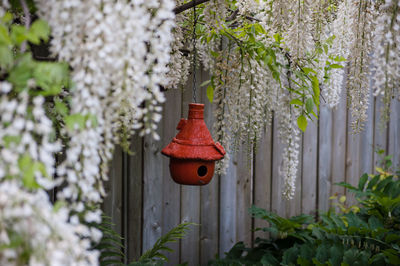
column 172, row 236
column 110, row 245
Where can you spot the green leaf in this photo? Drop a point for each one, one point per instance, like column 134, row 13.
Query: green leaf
column 210, row 93
column 214, row 53
column 75, row 121
column 28, row 167
column 205, row 83
column 18, row 34
column 325, row 46
column 297, row 102
column 58, row 205
column 39, row 30
column 308, row 70
column 51, row 77
column 309, row 105
column 302, row 123
column 335, row 66
column 8, row 140
column 315, row 87
column 7, row 17
column 374, row 223
column 363, row 181
column 339, row 59
column 391, row 238
column 6, row 57
column 4, row 36
column 61, row 107
column 22, row 72
column 373, row 182
column 392, row 255
column 290, row 256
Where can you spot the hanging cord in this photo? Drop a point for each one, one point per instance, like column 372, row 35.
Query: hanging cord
column 194, row 51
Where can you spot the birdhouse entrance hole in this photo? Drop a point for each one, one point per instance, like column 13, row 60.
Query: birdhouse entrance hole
column 193, row 152
column 202, row 171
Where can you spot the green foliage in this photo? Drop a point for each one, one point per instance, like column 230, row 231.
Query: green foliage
column 368, row 234
column 17, row 65
column 154, row 256
column 248, row 37
column 111, row 247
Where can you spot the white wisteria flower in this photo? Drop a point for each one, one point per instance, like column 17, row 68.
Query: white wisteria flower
column 42, row 234
column 119, row 53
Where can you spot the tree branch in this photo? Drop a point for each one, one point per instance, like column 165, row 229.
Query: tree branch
column 180, row 9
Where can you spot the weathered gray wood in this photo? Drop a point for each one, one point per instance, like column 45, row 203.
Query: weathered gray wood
column 209, row 205
column 244, row 194
column 338, row 162
column 367, row 140
column 309, row 179
column 263, row 178
column 324, row 157
column 394, row 133
column 227, row 231
column 352, row 159
column 170, row 190
column 380, row 130
column 152, row 190
column 112, row 204
column 190, row 203
column 133, row 217
column 278, row 203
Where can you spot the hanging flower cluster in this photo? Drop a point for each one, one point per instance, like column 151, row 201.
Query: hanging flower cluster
column 27, row 161
column 251, row 72
column 385, row 58
column 280, row 56
column 26, row 141
column 362, row 15
column 119, row 53
column 33, row 232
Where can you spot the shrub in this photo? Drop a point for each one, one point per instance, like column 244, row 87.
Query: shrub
column 367, row 234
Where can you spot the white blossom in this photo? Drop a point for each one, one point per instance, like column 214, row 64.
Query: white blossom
column 119, row 53
column 47, row 236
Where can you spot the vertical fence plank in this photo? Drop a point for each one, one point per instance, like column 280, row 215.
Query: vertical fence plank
column 380, row 130
column 170, row 189
column 244, row 193
column 324, row 157
column 394, row 135
column 134, row 209
column 227, row 232
column 190, row 204
column 367, row 140
column 278, row 203
column 309, row 169
column 338, row 163
column 152, row 190
column 209, row 222
column 352, row 159
column 263, row 177
column 112, row 204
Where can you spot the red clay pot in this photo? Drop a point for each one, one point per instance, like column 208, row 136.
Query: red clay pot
column 193, row 152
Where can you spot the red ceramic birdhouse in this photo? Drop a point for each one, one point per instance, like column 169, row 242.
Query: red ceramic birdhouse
column 193, row 152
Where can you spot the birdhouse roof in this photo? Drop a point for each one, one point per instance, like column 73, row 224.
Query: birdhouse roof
column 194, row 140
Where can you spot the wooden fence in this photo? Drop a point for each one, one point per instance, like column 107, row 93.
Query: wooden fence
column 145, row 203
